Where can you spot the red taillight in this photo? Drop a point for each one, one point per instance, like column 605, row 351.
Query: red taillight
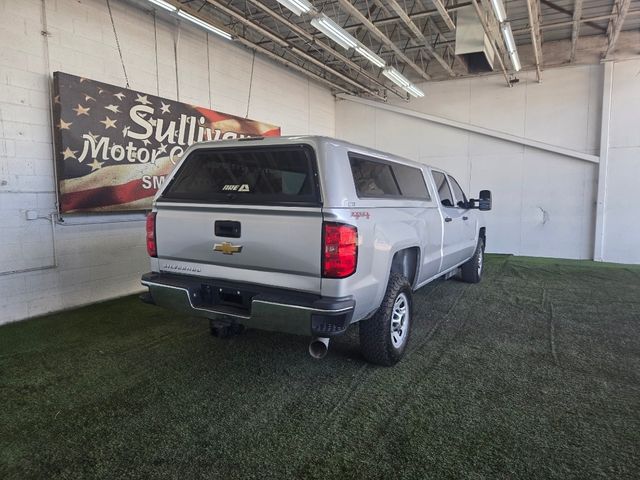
column 152, row 249
column 340, row 250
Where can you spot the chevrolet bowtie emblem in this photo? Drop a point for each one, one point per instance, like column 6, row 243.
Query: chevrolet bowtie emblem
column 227, row 248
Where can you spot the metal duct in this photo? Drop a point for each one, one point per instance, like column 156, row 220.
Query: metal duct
column 472, row 44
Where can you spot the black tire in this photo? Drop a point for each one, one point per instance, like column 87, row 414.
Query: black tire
column 378, row 343
column 471, row 272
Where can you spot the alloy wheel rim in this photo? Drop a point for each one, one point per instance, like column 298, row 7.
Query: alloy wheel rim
column 400, row 320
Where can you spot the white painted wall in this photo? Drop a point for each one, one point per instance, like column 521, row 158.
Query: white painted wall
column 544, row 203
column 104, row 260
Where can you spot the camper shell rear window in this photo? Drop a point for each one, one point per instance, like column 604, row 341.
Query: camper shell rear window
column 277, row 175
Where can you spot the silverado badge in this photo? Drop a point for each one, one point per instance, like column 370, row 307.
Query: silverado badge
column 227, row 248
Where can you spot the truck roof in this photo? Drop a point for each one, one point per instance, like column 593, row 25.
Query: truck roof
column 315, row 140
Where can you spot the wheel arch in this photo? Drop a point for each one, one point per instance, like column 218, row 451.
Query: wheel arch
column 405, row 262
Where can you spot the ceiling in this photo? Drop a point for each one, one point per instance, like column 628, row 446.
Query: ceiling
column 410, row 35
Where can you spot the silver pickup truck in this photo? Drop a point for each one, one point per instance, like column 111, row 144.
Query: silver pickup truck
column 308, row 235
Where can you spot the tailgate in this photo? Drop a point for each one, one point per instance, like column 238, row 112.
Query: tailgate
column 276, row 247
column 249, row 214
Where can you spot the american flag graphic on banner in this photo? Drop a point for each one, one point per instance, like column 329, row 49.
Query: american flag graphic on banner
column 115, row 145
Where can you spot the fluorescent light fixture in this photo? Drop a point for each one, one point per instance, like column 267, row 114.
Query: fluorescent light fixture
column 515, row 60
column 498, row 9
column 296, row 6
column 369, row 55
column 396, row 77
column 415, row 91
column 205, row 25
column 334, row 31
column 507, row 34
column 163, row 4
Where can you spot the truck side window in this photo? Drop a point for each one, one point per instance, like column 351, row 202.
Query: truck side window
column 444, row 192
column 458, row 193
column 373, row 179
column 411, row 182
column 378, row 178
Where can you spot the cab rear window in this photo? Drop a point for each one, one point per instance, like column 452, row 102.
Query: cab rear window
column 254, row 175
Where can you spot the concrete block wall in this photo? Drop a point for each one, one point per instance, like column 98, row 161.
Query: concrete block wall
column 544, row 203
column 101, row 257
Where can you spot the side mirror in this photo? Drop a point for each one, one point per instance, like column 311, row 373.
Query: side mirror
column 485, row 200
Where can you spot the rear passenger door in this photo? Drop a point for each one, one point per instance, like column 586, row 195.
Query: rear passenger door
column 453, row 243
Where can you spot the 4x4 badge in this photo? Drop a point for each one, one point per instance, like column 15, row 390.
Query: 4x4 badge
column 227, row 248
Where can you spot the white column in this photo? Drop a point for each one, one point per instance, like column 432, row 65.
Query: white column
column 603, row 167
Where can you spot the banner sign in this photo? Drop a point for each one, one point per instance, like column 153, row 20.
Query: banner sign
column 114, row 146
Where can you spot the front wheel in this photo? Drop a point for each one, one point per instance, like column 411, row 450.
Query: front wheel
column 384, row 337
column 471, row 272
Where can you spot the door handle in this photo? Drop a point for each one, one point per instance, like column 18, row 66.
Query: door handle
column 448, row 219
column 465, row 218
column 226, row 228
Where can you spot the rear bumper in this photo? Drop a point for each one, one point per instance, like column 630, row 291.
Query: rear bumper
column 251, row 305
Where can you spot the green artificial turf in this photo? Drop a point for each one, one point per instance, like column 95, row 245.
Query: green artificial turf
column 534, row 373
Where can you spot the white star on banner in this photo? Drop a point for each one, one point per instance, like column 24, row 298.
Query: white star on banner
column 80, row 110
column 142, row 99
column 93, row 137
column 108, row 123
column 96, row 165
column 165, row 107
column 119, row 96
column 64, row 125
column 113, row 108
column 68, row 153
column 88, row 97
column 162, row 148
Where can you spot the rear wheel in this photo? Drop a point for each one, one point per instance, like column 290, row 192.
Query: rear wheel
column 471, row 272
column 384, row 337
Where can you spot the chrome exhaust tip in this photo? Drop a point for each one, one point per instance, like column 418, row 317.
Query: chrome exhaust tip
column 319, row 347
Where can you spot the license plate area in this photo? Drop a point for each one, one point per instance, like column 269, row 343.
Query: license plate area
column 214, row 295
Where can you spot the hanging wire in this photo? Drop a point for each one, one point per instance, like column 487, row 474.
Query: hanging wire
column 208, row 70
column 155, row 45
column 115, row 34
column 176, row 41
column 253, row 61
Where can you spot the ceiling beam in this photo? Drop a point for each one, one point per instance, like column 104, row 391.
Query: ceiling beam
column 419, row 36
column 348, row 8
column 575, row 29
column 560, row 9
column 444, row 14
column 412, row 16
column 483, row 17
column 308, row 37
column 619, row 14
column 533, row 8
column 268, row 53
column 584, row 20
column 237, row 15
